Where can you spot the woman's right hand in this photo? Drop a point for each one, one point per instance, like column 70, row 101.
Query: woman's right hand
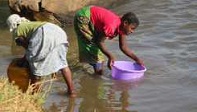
column 110, row 62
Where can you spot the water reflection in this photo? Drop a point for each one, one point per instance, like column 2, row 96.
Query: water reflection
column 98, row 95
column 119, row 96
column 91, row 93
column 68, row 106
column 166, row 40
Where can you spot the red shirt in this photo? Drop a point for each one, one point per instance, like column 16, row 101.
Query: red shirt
column 105, row 21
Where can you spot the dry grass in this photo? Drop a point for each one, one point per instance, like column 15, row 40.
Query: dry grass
column 14, row 100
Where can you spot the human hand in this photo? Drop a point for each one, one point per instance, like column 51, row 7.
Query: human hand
column 110, row 63
column 140, row 62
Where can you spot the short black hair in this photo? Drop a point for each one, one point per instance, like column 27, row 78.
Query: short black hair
column 131, row 18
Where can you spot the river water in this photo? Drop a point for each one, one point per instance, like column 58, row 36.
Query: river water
column 166, row 40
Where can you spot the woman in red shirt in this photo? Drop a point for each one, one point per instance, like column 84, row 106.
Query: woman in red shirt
column 93, row 25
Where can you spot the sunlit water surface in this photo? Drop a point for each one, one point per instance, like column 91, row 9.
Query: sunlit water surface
column 166, row 40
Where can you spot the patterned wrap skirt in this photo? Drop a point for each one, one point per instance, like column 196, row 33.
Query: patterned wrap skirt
column 89, row 51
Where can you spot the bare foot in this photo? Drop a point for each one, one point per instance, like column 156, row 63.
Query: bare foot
column 99, row 72
column 72, row 93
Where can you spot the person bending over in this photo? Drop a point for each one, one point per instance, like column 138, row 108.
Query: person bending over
column 45, row 46
column 93, row 25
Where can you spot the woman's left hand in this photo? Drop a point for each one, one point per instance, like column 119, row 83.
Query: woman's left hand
column 140, row 62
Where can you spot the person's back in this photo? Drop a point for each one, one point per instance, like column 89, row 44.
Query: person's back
column 104, row 21
column 93, row 25
column 46, row 48
column 25, row 29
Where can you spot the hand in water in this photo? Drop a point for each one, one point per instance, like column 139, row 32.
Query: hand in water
column 140, row 62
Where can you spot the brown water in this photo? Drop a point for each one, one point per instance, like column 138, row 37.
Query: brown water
column 166, row 40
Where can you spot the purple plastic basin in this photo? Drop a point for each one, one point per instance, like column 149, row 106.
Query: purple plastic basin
column 126, row 70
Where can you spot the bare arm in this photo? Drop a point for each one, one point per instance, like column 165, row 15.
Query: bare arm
column 21, row 41
column 126, row 50
column 101, row 45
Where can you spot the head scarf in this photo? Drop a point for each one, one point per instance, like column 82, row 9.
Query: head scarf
column 14, row 20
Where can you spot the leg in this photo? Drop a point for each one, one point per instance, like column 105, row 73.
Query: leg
column 67, row 75
column 33, row 80
column 53, row 76
column 98, row 68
